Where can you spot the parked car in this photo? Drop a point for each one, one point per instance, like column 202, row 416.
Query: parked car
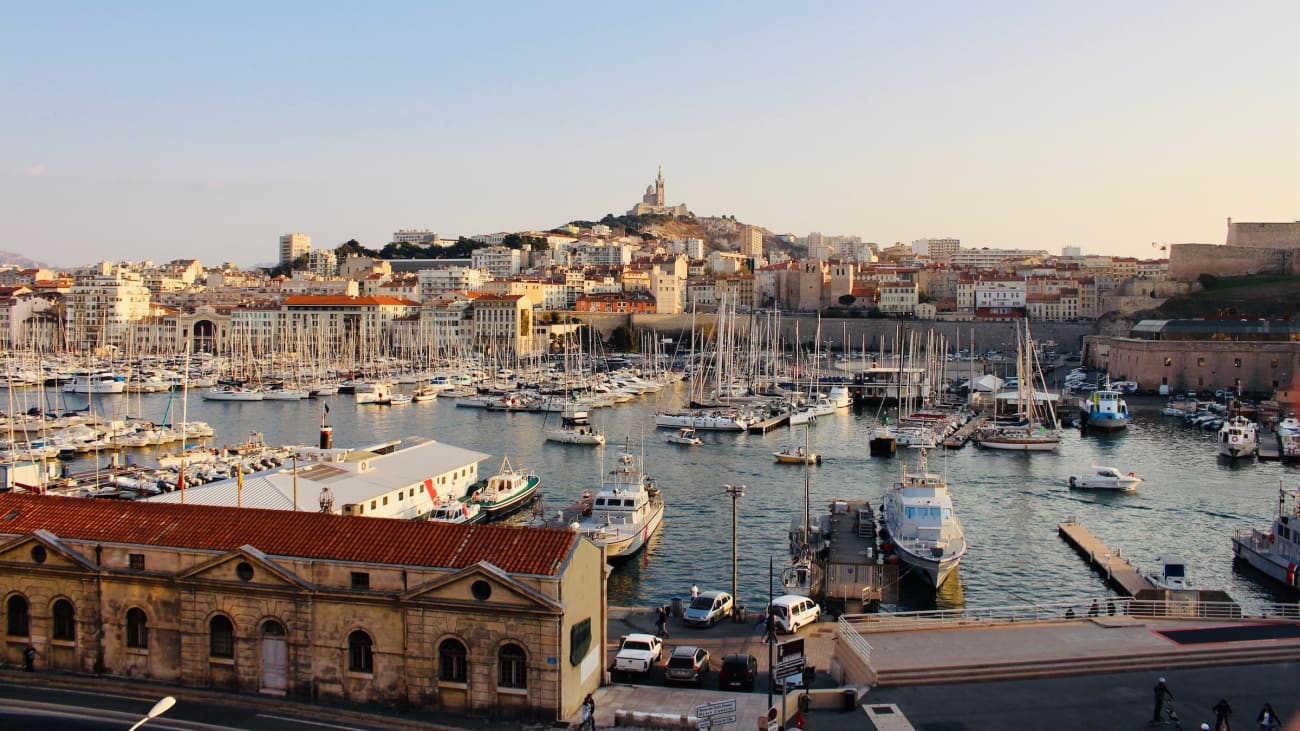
column 687, row 664
column 792, row 611
column 638, row 653
column 738, row 671
column 708, row 609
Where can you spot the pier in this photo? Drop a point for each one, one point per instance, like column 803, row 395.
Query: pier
column 574, row 512
column 958, row 439
column 1119, row 573
column 766, row 425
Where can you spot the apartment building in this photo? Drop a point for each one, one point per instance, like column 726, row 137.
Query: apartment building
column 292, row 246
column 502, row 323
column 100, row 308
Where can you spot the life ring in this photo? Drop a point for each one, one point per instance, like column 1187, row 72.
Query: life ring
column 1131, row 475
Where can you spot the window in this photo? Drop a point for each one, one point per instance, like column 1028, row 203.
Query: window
column 221, row 637
column 1200, row 362
column 360, row 580
column 1236, row 362
column 452, row 665
column 137, row 628
column 65, row 621
column 19, row 624
column 136, row 561
column 361, row 656
column 1168, row 362
column 512, row 667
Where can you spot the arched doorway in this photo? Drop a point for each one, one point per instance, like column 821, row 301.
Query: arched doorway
column 205, row 336
column 275, row 658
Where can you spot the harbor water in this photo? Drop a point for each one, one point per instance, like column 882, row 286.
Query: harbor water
column 1010, row 503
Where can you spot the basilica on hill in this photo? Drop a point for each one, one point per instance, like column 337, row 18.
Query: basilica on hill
column 654, row 201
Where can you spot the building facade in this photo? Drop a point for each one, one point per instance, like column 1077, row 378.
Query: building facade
column 292, row 246
column 489, row 620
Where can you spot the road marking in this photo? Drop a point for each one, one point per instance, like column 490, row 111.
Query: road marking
column 306, row 723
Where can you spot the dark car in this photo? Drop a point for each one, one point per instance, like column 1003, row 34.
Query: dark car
column 688, row 664
column 738, row 671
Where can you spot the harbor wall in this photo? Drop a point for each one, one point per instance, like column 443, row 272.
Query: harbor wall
column 988, row 335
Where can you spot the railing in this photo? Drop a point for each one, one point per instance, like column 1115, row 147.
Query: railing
column 1058, row 612
column 856, row 643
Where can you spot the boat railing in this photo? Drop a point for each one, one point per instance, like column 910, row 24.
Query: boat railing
column 1063, row 612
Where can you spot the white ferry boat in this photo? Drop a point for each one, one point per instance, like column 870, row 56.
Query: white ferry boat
column 922, row 527
column 1238, row 438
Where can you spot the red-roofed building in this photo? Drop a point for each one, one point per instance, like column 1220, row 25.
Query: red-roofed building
column 484, row 619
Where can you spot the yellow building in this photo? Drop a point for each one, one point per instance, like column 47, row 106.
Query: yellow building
column 484, row 619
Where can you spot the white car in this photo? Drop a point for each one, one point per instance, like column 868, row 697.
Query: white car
column 638, row 653
column 793, row 611
column 708, row 609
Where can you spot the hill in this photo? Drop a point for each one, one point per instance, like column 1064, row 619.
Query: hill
column 18, row 260
column 719, row 233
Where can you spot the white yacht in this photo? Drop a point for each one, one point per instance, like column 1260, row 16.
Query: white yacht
column 1104, row 409
column 922, row 528
column 102, row 382
column 1105, row 478
column 1172, row 575
column 229, row 392
column 1238, row 437
column 574, row 428
column 704, row 420
column 626, row 512
column 1276, row 551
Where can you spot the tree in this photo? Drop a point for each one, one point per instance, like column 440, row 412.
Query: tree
column 352, row 247
column 1208, row 281
column 847, row 300
column 621, row 338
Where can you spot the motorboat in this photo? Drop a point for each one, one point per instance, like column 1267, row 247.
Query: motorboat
column 1275, row 552
column 796, row 455
column 725, row 420
column 1172, row 574
column 883, row 442
column 230, row 392
column 101, row 382
column 574, row 428
column 399, row 399
column 379, row 392
column 626, row 511
column 922, row 528
column 457, row 511
column 685, row 436
column 1104, row 409
column 1238, row 437
column 1105, row 478
column 506, row 492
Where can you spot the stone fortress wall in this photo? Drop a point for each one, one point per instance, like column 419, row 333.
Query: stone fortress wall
column 1251, row 248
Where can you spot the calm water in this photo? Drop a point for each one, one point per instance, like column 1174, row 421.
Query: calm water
column 1010, row 503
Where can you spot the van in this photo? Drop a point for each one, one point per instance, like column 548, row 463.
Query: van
column 793, row 611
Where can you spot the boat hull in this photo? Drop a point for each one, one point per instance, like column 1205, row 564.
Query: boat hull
column 501, row 508
column 1020, row 445
column 933, row 572
column 625, row 546
column 1251, row 550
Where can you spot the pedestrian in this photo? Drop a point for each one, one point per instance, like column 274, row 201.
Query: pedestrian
column 29, row 658
column 589, row 713
column 1222, row 711
column 662, row 622
column 1268, row 719
column 1162, row 694
column 695, row 592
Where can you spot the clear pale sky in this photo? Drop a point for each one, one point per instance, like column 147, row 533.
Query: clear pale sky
column 175, row 130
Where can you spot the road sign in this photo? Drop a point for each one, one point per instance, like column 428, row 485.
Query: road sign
column 716, row 708
column 781, row 672
column 715, row 721
column 789, row 650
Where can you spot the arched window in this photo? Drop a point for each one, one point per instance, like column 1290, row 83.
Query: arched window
column 65, row 621
column 19, row 624
column 221, row 637
column 137, row 628
column 512, row 667
column 452, row 662
column 361, row 657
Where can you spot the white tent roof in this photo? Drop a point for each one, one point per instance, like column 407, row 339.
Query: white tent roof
column 986, row 383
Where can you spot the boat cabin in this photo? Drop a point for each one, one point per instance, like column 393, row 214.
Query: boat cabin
column 1173, row 574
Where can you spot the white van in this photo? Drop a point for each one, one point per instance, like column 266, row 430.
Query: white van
column 793, row 611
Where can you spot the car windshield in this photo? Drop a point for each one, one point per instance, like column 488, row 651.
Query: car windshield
column 701, row 602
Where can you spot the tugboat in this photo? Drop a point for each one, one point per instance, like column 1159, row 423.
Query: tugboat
column 924, row 531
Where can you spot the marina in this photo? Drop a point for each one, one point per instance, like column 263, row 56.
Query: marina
column 1010, row 504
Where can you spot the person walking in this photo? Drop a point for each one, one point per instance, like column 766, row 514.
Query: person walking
column 1162, row 694
column 589, row 713
column 1222, row 711
column 1268, row 719
column 662, row 623
column 29, row 658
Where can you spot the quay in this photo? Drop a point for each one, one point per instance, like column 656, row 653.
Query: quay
column 571, row 513
column 766, row 425
column 1104, row 559
column 959, row 438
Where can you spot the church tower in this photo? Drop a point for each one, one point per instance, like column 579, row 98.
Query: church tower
column 660, row 197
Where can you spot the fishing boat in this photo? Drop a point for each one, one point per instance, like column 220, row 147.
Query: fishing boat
column 505, row 492
column 1274, row 552
column 1105, row 478
column 796, row 455
column 1104, row 409
column 685, row 436
column 1238, row 437
column 921, row 527
column 457, row 511
column 626, row 511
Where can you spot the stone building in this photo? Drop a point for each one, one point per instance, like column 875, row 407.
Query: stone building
column 655, row 201
column 482, row 619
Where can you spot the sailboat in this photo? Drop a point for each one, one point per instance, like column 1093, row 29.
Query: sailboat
column 802, row 576
column 1035, row 428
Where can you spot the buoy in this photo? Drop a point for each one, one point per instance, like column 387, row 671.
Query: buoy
column 1130, row 474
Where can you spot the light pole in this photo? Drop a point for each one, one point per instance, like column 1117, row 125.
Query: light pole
column 158, row 709
column 735, row 492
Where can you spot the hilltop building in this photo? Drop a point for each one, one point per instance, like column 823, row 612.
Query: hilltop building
column 292, row 246
column 654, row 202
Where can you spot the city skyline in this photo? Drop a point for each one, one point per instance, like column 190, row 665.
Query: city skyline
column 157, row 132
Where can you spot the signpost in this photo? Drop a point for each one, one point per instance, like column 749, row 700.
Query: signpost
column 716, row 713
column 789, row 659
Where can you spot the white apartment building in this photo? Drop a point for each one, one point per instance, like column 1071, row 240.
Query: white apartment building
column 726, row 262
column 604, row 254
column 1000, row 294
column 293, row 245
column 438, row 283
column 101, row 307
column 898, row 298
column 424, row 236
column 499, row 261
column 989, row 258
column 322, row 263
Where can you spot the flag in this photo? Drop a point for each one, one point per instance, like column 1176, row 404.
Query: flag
column 327, row 408
column 180, row 480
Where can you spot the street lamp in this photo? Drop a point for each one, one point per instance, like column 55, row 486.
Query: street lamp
column 735, row 492
column 158, row 709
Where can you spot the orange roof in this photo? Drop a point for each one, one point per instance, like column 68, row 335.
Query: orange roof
column 338, row 300
column 539, row 551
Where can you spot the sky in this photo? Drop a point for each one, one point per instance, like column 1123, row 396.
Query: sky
column 141, row 130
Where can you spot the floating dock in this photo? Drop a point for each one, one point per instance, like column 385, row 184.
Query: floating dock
column 1104, row 559
column 766, row 425
column 958, row 439
column 565, row 517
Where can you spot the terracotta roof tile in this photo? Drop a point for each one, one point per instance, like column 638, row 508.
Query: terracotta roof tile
column 539, row 551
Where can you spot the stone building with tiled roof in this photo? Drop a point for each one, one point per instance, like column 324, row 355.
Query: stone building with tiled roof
column 483, row 619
